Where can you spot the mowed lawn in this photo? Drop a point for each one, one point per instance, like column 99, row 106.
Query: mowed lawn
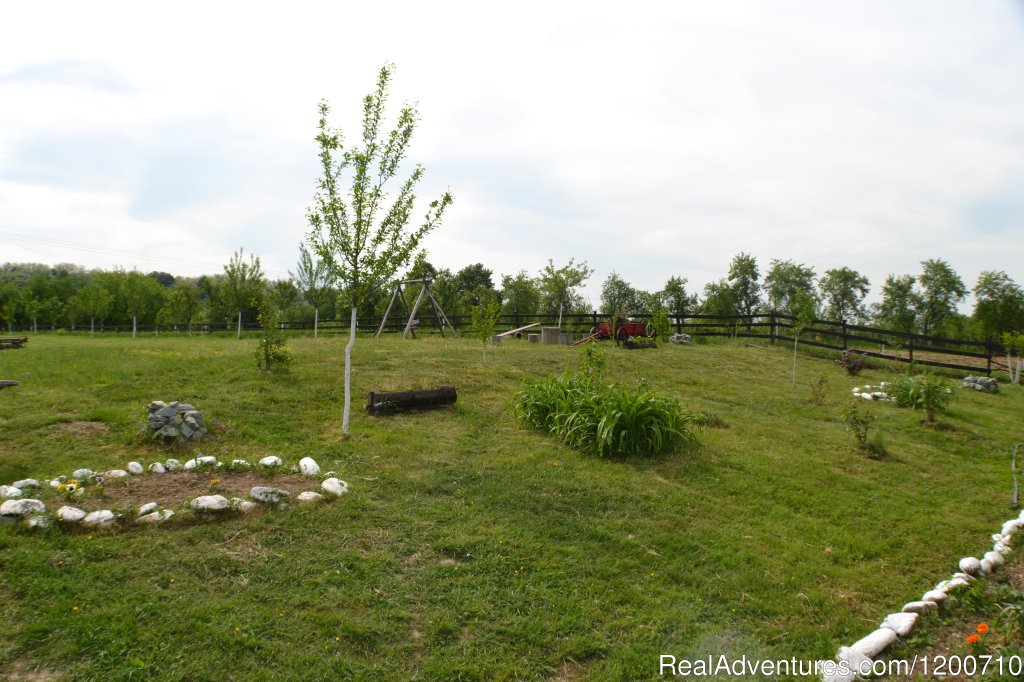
column 468, row 547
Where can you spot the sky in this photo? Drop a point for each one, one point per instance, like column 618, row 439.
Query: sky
column 653, row 139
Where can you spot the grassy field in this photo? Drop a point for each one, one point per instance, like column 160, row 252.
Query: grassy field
column 470, row 548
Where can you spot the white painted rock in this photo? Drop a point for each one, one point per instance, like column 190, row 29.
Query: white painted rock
column 1011, row 527
column 920, row 607
column 135, row 469
column 148, row 508
column 271, row 461
column 155, row 517
column 196, row 462
column 970, row 565
column 54, row 483
column 81, row 474
column 866, row 396
column 334, row 487
column 240, row 464
column 309, row 497
column 26, row 483
column 268, row 495
column 901, row 623
column 854, row 659
column 995, row 558
column 116, row 473
column 937, row 596
column 103, row 518
column 70, row 514
column 964, row 576
column 244, row 506
column 24, row 507
column 833, row 672
column 1003, row 548
column 210, row 503
column 157, row 468
column 986, row 567
column 952, row 585
column 172, row 465
column 9, row 492
column 37, row 521
column 309, row 467
column 875, row 643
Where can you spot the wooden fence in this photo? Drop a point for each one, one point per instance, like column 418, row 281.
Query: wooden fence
column 960, row 354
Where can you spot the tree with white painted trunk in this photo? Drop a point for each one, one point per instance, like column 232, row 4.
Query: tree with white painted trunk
column 313, row 278
column 363, row 241
column 243, row 284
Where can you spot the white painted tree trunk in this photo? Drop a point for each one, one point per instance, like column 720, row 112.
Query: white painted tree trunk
column 316, row 321
column 239, row 324
column 348, row 374
column 796, row 338
column 92, row 326
column 134, row 325
column 35, row 325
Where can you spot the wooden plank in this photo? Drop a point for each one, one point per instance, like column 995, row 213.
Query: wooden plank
column 513, row 331
column 586, row 338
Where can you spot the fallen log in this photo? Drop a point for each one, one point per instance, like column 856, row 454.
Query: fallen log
column 407, row 400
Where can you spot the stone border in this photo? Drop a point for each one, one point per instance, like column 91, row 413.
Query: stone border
column 859, row 656
column 17, row 506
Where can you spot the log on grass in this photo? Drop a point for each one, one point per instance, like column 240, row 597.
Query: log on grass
column 407, row 400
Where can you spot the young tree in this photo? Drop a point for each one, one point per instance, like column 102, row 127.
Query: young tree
column 743, row 275
column 142, row 295
column 784, row 280
column 485, row 319
column 243, row 284
column 803, row 306
column 313, row 278
column 364, row 249
column 93, row 301
column 900, row 303
column 842, row 292
column 941, row 291
column 558, row 287
column 184, row 303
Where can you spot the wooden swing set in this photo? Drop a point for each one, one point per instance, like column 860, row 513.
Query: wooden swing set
column 410, row 326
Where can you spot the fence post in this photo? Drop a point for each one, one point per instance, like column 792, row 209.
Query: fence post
column 771, row 328
column 846, row 345
column 910, row 348
column 593, row 324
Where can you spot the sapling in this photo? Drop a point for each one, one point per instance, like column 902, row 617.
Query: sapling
column 1013, row 343
column 485, row 319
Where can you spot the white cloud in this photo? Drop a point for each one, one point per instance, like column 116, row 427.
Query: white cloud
column 654, row 141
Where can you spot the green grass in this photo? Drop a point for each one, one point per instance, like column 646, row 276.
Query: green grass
column 470, row 547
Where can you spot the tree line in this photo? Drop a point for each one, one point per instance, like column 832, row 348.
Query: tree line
column 36, row 296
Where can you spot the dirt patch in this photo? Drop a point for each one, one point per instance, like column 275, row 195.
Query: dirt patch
column 171, row 490
column 81, row 428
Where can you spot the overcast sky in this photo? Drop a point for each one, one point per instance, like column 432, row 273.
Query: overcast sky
column 650, row 139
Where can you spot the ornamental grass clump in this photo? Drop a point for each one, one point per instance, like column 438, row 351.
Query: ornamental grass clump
column 922, row 392
column 605, row 420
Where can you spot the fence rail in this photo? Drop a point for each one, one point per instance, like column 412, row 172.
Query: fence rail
column 876, row 342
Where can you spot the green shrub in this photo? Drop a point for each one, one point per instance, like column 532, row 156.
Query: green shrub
column 660, row 324
column 922, row 392
column 604, row 420
column 859, row 423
